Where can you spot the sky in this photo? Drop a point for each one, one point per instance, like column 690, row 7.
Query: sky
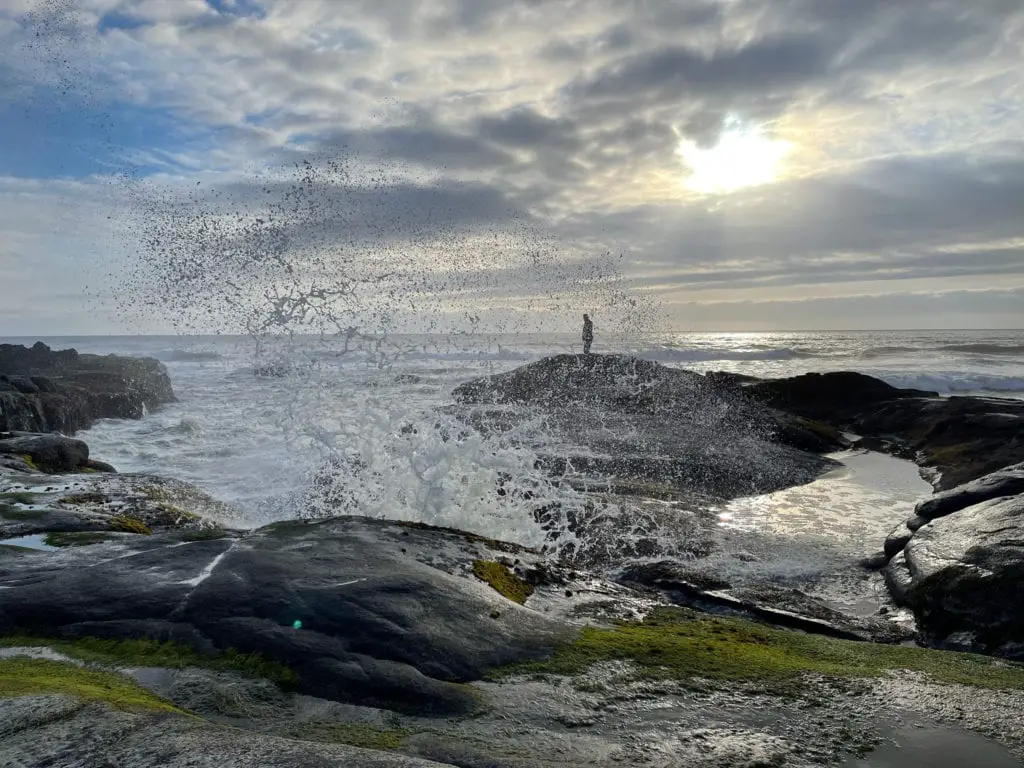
column 735, row 165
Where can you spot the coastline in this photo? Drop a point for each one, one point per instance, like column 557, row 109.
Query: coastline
column 498, row 611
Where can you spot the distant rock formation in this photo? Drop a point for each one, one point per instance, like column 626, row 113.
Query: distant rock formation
column 963, row 438
column 43, row 390
column 635, row 420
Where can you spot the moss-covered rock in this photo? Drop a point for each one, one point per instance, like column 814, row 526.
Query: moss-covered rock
column 25, row 676
column 151, row 653
column 502, row 580
column 353, row 734
column 129, row 524
column 76, row 538
column 683, row 645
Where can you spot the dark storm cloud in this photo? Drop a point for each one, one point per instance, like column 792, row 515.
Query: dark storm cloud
column 681, row 72
column 346, row 213
column 526, row 129
column 422, row 144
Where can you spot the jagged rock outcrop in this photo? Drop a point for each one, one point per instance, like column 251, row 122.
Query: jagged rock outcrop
column 42, row 390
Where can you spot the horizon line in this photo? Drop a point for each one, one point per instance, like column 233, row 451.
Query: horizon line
column 21, row 337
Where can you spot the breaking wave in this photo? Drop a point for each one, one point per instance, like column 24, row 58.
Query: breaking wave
column 949, row 383
column 666, row 354
column 187, row 356
column 993, row 350
column 985, row 349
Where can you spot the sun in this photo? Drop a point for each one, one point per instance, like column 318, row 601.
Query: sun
column 743, row 157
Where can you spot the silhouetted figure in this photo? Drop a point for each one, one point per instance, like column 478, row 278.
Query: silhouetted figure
column 588, row 334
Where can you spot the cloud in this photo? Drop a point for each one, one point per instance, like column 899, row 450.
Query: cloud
column 558, row 118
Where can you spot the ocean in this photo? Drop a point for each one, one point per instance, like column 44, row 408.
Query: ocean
column 264, row 443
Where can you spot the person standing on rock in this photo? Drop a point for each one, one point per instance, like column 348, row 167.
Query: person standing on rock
column 588, row 334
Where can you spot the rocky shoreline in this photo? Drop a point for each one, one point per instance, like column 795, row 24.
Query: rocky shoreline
column 46, row 391
column 139, row 619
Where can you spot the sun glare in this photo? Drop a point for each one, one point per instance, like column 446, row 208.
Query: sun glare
column 743, row 157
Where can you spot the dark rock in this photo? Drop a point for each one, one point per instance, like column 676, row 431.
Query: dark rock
column 99, row 466
column 377, row 627
column 768, row 603
column 618, row 382
column 17, row 464
column 635, row 420
column 882, row 444
column 967, row 576
column 48, row 391
column 1005, row 482
column 43, row 384
column 50, row 453
column 897, row 540
column 875, row 562
column 828, row 395
column 897, row 577
column 669, row 574
column 729, row 380
column 23, row 384
column 916, row 523
column 964, row 438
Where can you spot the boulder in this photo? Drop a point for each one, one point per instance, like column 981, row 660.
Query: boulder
column 897, row 540
column 897, row 577
column 966, row 578
column 964, row 438
column 618, row 382
column 50, row 453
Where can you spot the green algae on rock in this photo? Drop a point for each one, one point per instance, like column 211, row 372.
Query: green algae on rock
column 130, row 524
column 502, row 580
column 353, row 734
column 77, row 538
column 684, row 645
column 151, row 653
column 25, row 676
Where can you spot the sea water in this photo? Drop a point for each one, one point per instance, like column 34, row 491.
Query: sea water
column 367, row 420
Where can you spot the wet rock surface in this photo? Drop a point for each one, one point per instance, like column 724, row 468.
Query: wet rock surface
column 958, row 563
column 404, row 639
column 42, row 390
column 56, row 730
column 76, row 508
column 963, row 575
column 1004, row 482
column 964, row 438
column 365, row 611
column 625, row 419
column 45, row 453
